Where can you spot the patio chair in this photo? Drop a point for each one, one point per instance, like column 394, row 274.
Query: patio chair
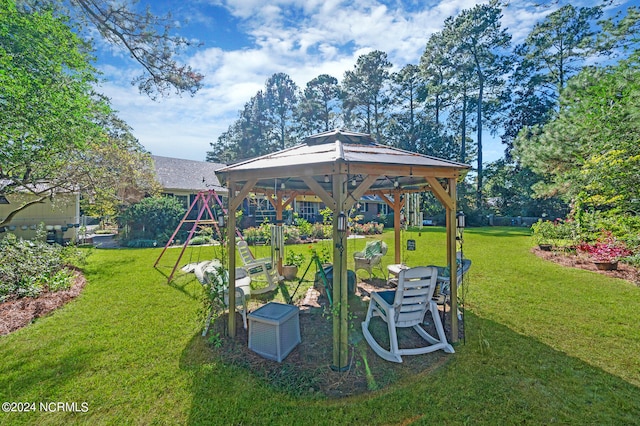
column 371, row 257
column 262, row 267
column 443, row 295
column 209, row 273
column 407, row 307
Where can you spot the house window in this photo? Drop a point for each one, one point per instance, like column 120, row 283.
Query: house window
column 384, row 208
column 308, row 210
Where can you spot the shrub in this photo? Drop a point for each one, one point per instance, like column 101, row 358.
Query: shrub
column 543, row 232
column 142, row 243
column 153, row 218
column 304, row 226
column 291, row 235
column 27, row 268
column 199, row 240
column 369, row 228
column 321, row 231
column 253, row 235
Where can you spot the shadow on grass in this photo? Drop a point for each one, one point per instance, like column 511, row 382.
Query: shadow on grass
column 497, row 376
column 43, row 374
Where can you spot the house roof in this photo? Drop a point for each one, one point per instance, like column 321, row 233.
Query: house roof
column 176, row 174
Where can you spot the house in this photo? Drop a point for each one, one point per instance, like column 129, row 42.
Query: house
column 60, row 215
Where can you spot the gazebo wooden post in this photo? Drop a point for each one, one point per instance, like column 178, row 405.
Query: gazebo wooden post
column 340, row 285
column 231, row 247
column 452, row 258
column 279, row 208
column 397, row 223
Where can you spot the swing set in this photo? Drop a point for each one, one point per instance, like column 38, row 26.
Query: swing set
column 205, row 216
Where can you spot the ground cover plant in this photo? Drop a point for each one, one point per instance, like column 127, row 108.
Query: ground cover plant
column 28, row 268
column 544, row 344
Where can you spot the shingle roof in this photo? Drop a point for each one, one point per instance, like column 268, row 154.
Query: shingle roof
column 187, row 175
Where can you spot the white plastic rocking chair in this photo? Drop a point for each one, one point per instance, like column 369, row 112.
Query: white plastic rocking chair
column 259, row 267
column 407, row 307
column 209, row 271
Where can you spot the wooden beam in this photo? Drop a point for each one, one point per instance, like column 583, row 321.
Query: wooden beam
column 237, row 199
column 358, row 192
column 340, row 285
column 328, row 200
column 231, row 249
column 384, row 198
column 279, row 208
column 381, row 169
column 452, row 257
column 397, row 206
column 292, row 197
column 282, row 171
column 388, row 201
column 440, row 193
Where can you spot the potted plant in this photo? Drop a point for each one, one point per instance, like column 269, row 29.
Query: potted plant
column 605, row 252
column 543, row 234
column 292, row 262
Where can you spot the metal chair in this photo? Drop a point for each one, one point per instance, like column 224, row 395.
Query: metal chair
column 371, row 257
column 443, row 296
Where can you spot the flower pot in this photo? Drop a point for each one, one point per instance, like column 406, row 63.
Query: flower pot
column 545, row 247
column 289, row 272
column 607, row 266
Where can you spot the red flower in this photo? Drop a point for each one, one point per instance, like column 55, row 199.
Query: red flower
column 605, row 249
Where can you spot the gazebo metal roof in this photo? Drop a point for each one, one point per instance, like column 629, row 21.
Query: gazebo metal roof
column 340, row 167
column 341, row 151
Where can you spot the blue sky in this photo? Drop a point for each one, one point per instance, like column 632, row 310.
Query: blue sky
column 246, row 41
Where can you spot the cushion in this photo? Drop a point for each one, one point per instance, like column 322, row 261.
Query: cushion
column 388, row 296
column 445, row 272
column 372, row 248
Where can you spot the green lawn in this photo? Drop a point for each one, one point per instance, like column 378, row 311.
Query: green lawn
column 544, row 344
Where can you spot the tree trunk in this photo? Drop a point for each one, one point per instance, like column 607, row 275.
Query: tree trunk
column 479, row 187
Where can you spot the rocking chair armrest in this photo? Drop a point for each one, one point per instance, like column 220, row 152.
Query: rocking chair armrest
column 265, row 260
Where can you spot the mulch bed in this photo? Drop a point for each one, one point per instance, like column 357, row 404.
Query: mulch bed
column 18, row 313
column 624, row 271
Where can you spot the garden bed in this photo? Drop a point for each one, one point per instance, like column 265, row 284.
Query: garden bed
column 624, row 271
column 18, row 313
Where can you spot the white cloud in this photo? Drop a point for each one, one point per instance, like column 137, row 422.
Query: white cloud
column 303, row 38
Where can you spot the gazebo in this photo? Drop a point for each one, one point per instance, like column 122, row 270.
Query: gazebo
column 340, row 167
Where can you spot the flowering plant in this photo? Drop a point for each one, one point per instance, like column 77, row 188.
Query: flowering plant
column 605, row 249
column 323, row 254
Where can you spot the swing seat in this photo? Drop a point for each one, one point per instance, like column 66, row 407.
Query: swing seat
column 263, row 268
